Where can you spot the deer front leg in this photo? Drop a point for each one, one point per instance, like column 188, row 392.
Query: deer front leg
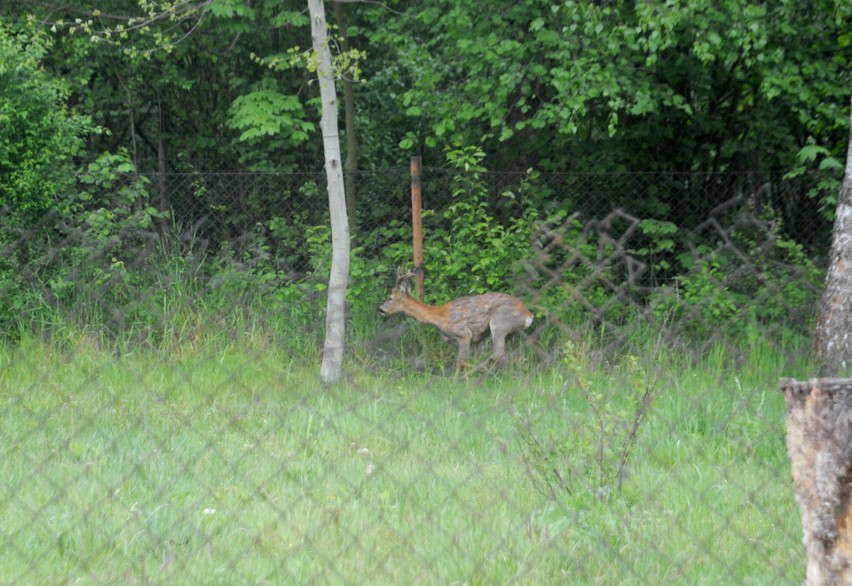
column 461, row 359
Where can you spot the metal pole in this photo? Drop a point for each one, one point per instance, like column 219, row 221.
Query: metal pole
column 417, row 225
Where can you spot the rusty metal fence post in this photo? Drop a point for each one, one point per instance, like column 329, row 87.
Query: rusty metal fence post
column 417, row 224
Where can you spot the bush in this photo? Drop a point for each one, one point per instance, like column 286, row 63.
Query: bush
column 40, row 137
column 758, row 277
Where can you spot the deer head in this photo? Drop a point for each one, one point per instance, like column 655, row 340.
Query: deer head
column 400, row 294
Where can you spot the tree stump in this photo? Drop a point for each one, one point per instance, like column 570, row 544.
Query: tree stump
column 819, row 444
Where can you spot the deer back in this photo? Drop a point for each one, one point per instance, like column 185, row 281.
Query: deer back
column 477, row 314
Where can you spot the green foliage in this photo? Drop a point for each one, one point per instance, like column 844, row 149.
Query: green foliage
column 110, row 225
column 601, row 87
column 39, row 136
column 705, row 295
column 828, row 173
column 169, row 72
column 576, row 280
column 476, row 251
column 660, row 244
column 367, row 273
column 618, row 85
column 266, row 112
column 764, row 279
column 230, row 9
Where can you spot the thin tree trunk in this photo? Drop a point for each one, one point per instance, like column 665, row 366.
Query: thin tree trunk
column 162, row 179
column 332, row 357
column 833, row 336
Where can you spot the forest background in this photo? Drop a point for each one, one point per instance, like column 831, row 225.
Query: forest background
column 115, row 118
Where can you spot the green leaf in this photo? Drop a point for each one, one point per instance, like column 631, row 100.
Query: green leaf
column 830, row 164
column 811, row 152
column 656, row 227
column 269, row 113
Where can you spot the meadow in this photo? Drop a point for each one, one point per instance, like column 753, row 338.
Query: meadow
column 225, row 461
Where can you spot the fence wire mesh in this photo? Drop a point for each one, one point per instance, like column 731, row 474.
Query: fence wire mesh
column 163, row 421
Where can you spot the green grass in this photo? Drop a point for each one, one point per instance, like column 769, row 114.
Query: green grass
column 229, row 463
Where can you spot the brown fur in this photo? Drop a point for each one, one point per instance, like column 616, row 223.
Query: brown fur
column 466, row 319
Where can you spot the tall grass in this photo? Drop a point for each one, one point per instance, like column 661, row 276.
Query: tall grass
column 217, row 457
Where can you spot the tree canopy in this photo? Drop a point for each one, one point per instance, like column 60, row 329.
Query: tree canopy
column 673, row 86
column 620, row 85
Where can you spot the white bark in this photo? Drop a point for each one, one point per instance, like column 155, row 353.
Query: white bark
column 332, row 357
column 833, row 336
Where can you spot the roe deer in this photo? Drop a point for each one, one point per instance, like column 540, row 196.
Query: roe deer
column 464, row 320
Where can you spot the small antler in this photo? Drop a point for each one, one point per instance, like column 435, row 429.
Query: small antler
column 403, row 275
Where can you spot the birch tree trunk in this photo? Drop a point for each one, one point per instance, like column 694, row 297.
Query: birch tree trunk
column 332, row 357
column 833, row 336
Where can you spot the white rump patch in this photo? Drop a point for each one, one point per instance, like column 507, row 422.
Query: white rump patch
column 527, row 322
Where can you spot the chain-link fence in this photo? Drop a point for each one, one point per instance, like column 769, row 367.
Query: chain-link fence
column 163, row 419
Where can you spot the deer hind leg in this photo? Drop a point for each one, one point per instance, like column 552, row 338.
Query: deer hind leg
column 498, row 337
column 502, row 324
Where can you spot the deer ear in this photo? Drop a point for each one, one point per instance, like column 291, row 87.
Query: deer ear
column 404, row 286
